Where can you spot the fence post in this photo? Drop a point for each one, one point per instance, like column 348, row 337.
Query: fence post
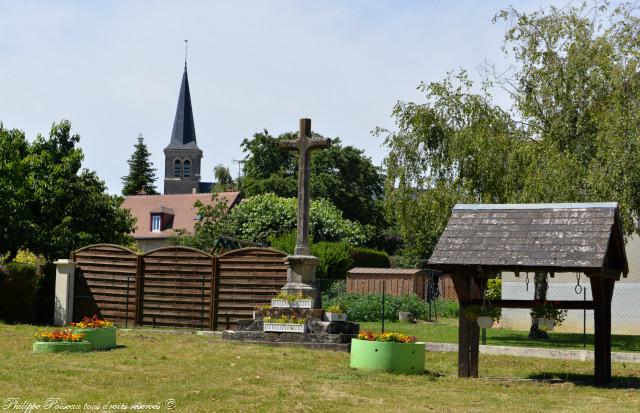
column 139, row 289
column 213, row 318
column 63, row 306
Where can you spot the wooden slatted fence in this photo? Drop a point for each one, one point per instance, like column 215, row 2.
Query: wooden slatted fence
column 175, row 286
column 105, row 283
column 246, row 278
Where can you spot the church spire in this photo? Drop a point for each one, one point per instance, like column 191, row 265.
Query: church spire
column 184, row 133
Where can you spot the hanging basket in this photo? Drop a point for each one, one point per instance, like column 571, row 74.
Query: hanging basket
column 546, row 324
column 485, row 321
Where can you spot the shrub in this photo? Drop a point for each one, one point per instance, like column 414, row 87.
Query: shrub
column 285, row 242
column 494, row 289
column 18, row 285
column 445, row 308
column 368, row 307
column 366, row 257
column 262, row 217
column 335, row 259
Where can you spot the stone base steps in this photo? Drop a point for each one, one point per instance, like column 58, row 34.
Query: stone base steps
column 335, row 342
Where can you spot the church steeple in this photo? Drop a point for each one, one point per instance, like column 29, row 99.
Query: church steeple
column 182, row 156
column 184, row 132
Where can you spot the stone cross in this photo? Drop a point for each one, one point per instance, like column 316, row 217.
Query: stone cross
column 304, row 145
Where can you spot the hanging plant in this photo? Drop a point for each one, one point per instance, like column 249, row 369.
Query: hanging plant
column 548, row 315
column 485, row 314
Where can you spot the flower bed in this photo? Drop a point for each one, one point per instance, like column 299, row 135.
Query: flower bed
column 100, row 333
column 390, row 352
column 60, row 340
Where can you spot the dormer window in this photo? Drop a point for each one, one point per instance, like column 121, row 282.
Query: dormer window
column 187, row 168
column 156, row 223
column 177, row 169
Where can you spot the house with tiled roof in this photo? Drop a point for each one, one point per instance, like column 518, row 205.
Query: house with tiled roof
column 160, row 216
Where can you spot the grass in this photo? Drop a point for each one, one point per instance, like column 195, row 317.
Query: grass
column 206, row 374
column 446, row 331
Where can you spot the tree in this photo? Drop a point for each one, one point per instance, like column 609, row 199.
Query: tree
column 223, row 178
column 142, row 174
column 572, row 133
column 341, row 174
column 50, row 205
column 262, row 217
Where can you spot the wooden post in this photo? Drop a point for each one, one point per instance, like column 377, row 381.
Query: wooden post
column 602, row 290
column 468, row 330
column 139, row 289
column 214, row 301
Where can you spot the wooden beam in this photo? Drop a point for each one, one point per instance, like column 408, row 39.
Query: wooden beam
column 468, row 331
column 566, row 304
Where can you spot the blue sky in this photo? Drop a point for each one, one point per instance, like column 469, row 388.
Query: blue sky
column 113, row 68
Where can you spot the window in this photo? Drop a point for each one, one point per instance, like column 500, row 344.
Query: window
column 177, row 169
column 155, row 223
column 187, row 168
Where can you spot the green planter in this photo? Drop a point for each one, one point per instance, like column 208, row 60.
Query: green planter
column 405, row 358
column 60, row 346
column 100, row 338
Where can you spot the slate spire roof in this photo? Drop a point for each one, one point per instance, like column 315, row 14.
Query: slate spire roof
column 184, row 133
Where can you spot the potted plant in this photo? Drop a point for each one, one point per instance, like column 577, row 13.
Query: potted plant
column 284, row 324
column 390, row 352
column 485, row 314
column 335, row 313
column 60, row 340
column 100, row 333
column 286, row 300
column 548, row 315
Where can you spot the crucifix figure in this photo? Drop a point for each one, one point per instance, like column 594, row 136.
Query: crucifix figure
column 304, row 145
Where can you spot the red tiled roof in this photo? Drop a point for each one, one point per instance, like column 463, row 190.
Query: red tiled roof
column 141, row 207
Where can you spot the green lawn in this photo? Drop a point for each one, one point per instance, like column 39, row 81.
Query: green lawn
column 446, row 331
column 206, row 374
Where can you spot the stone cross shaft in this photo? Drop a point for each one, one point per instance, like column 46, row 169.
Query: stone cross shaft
column 304, row 145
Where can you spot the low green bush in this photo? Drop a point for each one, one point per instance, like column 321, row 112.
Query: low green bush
column 18, row 285
column 368, row 307
column 494, row 289
column 367, row 257
column 443, row 308
column 335, row 259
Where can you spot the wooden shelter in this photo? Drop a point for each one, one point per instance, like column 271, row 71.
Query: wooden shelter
column 480, row 240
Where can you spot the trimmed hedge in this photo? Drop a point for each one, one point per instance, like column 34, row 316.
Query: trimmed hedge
column 335, row 259
column 368, row 307
column 367, row 257
column 26, row 294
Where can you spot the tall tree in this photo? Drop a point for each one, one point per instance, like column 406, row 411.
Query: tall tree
column 572, row 133
column 142, row 174
column 341, row 174
column 50, row 205
column 223, row 177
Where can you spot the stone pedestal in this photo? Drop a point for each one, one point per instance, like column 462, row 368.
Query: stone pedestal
column 301, row 277
column 63, row 310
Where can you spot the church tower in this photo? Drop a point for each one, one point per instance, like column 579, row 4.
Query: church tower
column 182, row 156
